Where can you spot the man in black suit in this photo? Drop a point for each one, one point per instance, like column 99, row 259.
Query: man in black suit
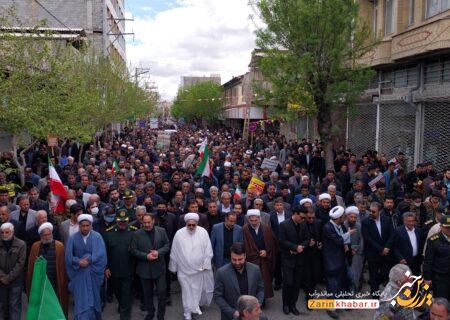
column 408, row 244
column 276, row 218
column 293, row 240
column 235, row 279
column 379, row 237
column 313, row 255
column 149, row 246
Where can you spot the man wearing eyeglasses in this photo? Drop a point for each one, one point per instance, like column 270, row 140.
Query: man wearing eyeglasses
column 378, row 235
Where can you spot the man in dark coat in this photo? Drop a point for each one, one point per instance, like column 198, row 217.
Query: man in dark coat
column 261, row 248
column 336, row 240
column 293, row 238
column 149, row 246
column 379, row 239
column 235, row 279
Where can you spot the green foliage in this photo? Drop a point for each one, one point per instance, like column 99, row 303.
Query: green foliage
column 47, row 87
column 308, row 53
column 199, row 101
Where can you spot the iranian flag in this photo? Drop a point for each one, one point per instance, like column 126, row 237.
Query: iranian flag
column 115, row 168
column 58, row 192
column 237, row 194
column 202, row 148
column 204, row 169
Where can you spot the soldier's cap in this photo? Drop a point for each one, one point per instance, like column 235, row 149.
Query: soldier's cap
column 128, row 194
column 122, row 215
column 445, row 221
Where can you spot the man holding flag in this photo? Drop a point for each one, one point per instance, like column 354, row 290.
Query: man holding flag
column 53, row 252
column 58, row 193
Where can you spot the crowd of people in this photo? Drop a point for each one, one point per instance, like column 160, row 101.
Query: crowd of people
column 139, row 216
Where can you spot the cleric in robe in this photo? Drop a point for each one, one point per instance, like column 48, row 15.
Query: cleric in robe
column 191, row 258
column 53, row 251
column 85, row 263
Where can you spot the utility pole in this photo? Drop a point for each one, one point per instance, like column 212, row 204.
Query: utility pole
column 138, row 72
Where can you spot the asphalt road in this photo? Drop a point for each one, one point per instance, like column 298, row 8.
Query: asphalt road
column 273, row 310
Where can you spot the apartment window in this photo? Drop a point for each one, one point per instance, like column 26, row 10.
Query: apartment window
column 411, row 12
column 435, row 7
column 374, row 18
column 389, row 17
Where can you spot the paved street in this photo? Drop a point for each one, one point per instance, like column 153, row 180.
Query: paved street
column 272, row 311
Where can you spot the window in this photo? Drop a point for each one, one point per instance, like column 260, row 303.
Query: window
column 435, row 7
column 389, row 17
column 411, row 12
column 375, row 19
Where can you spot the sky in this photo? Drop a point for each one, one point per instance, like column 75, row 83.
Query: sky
column 175, row 38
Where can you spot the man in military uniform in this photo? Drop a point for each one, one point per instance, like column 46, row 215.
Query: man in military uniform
column 129, row 204
column 436, row 266
column 120, row 261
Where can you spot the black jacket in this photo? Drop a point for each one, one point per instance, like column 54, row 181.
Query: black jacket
column 141, row 247
column 289, row 240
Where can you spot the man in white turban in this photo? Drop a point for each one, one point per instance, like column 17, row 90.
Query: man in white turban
column 190, row 258
column 85, row 264
column 336, row 241
column 53, row 251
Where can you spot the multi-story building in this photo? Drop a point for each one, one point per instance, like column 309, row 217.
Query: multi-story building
column 407, row 106
column 188, row 81
column 240, row 98
column 102, row 21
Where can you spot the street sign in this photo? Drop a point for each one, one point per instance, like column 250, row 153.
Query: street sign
column 269, row 164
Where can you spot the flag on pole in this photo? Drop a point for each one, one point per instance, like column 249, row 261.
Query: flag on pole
column 43, row 303
column 57, row 189
column 204, row 169
column 115, row 168
column 202, row 148
column 238, row 193
column 373, row 183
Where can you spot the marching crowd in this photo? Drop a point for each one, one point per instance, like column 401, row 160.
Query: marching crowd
column 135, row 218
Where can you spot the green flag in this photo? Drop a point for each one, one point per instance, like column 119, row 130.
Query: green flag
column 43, row 304
column 115, row 168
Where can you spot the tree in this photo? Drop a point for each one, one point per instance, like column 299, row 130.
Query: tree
column 50, row 88
column 202, row 100
column 309, row 51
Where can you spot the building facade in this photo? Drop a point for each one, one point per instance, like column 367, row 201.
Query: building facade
column 188, row 81
column 240, row 99
column 407, row 107
column 103, row 21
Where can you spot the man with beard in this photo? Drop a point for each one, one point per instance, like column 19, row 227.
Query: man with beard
column 356, row 245
column 235, row 279
column 293, row 238
column 13, row 254
column 390, row 212
column 24, row 215
column 313, row 254
column 323, row 208
column 167, row 221
column 85, row 264
column 223, row 236
column 191, row 258
column 261, row 248
column 53, row 252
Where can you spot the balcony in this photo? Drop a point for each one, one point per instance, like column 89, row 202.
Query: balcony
column 432, row 36
column 379, row 55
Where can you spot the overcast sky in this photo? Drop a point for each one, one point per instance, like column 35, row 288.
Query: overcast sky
column 176, row 38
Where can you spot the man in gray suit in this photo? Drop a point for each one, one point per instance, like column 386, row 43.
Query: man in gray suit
column 24, row 215
column 235, row 279
column 70, row 226
column 357, row 244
